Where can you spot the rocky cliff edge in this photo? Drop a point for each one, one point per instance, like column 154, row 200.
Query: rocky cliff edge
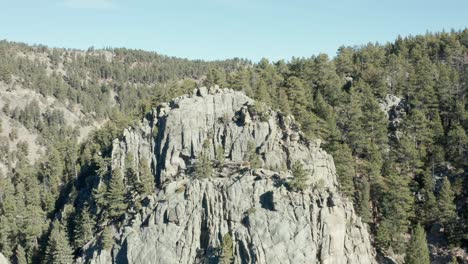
column 186, row 218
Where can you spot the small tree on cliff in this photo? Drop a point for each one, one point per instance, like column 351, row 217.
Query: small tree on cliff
column 204, row 166
column 227, row 250
column 300, row 177
column 252, row 157
column 115, row 195
column 146, row 177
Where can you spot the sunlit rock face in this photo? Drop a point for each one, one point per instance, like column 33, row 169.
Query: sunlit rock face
column 186, row 218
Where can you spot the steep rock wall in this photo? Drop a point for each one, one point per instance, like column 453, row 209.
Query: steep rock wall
column 186, row 219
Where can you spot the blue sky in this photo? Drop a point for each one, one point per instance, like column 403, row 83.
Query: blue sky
column 218, row 29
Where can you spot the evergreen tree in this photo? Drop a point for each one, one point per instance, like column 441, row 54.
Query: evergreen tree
column 408, row 156
column 282, row 100
column 115, row 194
column 84, row 227
column 146, row 177
column 215, row 77
column 326, row 120
column 58, row 248
column 252, row 157
column 344, row 61
column 203, row 165
column 428, row 210
column 396, row 207
column 262, row 94
column 418, row 251
column 325, row 80
column 446, row 203
column 134, row 185
column 227, row 254
column 300, row 177
column 99, row 196
column 20, row 255
column 51, row 174
column 363, row 200
column 457, row 143
column 374, row 123
column 219, row 155
column 297, row 96
column 240, row 81
column 353, row 126
column 344, row 168
column 107, row 238
column 7, row 231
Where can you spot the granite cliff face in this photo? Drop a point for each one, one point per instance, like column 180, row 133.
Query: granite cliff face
column 185, row 220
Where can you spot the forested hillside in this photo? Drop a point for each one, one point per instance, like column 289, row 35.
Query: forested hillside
column 393, row 116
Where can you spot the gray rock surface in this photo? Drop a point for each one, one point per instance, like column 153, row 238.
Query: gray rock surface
column 185, row 219
column 395, row 108
column 3, row 260
column 389, row 102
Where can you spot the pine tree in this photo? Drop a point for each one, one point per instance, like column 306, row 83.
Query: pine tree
column 417, row 128
column 325, row 80
column 282, row 101
column 436, row 150
column 146, row 177
column 262, row 94
column 203, row 165
column 219, row 155
column 418, row 251
column 240, row 81
column 58, row 248
column 215, row 77
column 327, row 130
column 300, row 177
column 344, row 61
column 396, row 207
column 33, row 226
column 99, row 196
column 345, row 168
column 7, row 231
column 408, row 156
column 374, row 123
column 353, row 125
column 457, row 142
column 134, row 186
column 429, row 209
column 115, row 195
column 20, row 255
column 107, row 238
column 251, row 156
column 363, row 200
column 297, row 96
column 447, row 208
column 84, row 227
column 227, row 254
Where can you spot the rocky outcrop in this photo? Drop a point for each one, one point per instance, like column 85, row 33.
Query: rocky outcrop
column 187, row 217
column 395, row 108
